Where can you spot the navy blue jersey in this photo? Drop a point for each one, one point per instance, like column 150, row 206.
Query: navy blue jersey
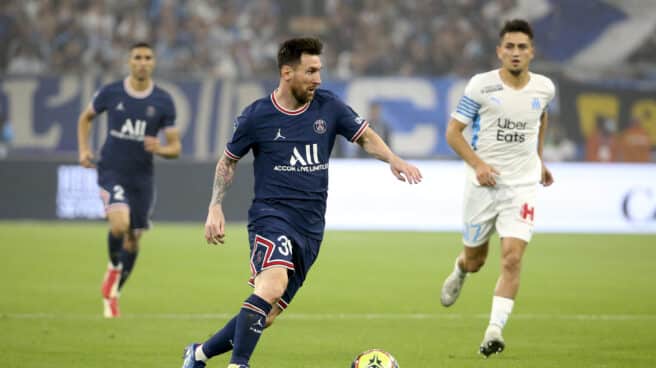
column 292, row 150
column 131, row 116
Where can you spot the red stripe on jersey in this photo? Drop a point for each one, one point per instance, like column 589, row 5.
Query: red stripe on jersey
column 285, row 111
column 231, row 155
column 360, row 131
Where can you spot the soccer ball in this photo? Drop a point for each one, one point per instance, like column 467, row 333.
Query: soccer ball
column 375, row 358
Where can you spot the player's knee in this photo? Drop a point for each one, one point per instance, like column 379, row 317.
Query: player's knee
column 273, row 293
column 119, row 228
column 511, row 262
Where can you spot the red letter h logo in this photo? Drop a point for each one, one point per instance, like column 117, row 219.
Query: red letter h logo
column 527, row 211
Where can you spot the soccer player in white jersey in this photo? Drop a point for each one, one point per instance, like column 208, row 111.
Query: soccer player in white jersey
column 498, row 129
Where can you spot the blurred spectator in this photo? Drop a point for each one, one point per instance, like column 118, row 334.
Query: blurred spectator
column 378, row 124
column 557, row 146
column 603, row 144
column 635, row 143
column 6, row 133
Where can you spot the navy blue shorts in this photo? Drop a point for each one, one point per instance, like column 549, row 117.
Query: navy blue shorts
column 275, row 244
column 137, row 193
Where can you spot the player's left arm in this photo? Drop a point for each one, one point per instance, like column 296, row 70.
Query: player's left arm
column 546, row 178
column 374, row 145
column 171, row 149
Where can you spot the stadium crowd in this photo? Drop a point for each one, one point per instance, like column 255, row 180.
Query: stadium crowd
column 239, row 39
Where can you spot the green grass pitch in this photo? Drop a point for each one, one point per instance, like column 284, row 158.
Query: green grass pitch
column 585, row 300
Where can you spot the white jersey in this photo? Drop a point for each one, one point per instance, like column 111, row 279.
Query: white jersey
column 503, row 125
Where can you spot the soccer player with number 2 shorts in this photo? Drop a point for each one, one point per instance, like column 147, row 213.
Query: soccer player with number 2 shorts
column 137, row 111
column 498, row 130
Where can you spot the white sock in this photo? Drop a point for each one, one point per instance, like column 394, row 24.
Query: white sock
column 501, row 309
column 458, row 270
column 199, row 355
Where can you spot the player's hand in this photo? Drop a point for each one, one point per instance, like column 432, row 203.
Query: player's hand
column 86, row 158
column 215, row 225
column 151, row 144
column 404, row 171
column 547, row 178
column 486, row 175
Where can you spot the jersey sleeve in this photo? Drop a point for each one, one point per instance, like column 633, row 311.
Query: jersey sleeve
column 100, row 100
column 169, row 115
column 243, row 137
column 551, row 93
column 349, row 124
column 469, row 104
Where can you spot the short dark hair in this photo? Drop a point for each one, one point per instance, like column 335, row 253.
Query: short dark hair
column 517, row 25
column 140, row 44
column 291, row 50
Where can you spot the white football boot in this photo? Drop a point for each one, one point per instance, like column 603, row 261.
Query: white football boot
column 452, row 286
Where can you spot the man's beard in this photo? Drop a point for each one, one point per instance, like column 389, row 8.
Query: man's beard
column 301, row 95
column 515, row 72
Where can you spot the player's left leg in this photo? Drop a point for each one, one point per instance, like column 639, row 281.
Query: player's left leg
column 128, row 255
column 512, row 251
column 515, row 226
column 141, row 195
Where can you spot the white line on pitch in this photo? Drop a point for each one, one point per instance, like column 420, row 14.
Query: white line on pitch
column 337, row 316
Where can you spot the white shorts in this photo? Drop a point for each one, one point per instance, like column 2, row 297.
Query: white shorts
column 509, row 209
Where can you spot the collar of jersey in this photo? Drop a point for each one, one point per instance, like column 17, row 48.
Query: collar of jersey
column 285, row 111
column 137, row 94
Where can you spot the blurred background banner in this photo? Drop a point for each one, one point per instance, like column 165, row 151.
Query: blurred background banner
column 605, row 122
column 586, row 198
column 415, row 111
column 614, row 121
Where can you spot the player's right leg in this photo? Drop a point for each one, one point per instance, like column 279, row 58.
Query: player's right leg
column 242, row 333
column 479, row 214
column 119, row 223
column 470, row 260
column 272, row 260
column 118, row 216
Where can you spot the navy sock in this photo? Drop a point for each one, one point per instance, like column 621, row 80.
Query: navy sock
column 250, row 323
column 127, row 259
column 221, row 342
column 115, row 244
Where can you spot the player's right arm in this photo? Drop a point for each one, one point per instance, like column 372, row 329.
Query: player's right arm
column 223, row 177
column 240, row 143
column 485, row 174
column 83, row 131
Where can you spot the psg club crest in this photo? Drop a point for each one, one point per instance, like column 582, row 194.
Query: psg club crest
column 320, row 126
column 359, row 120
column 150, row 111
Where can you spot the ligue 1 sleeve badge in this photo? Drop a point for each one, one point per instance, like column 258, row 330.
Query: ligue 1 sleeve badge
column 320, row 126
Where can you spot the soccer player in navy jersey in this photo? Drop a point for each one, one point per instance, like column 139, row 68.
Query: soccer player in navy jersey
column 291, row 134
column 137, row 110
